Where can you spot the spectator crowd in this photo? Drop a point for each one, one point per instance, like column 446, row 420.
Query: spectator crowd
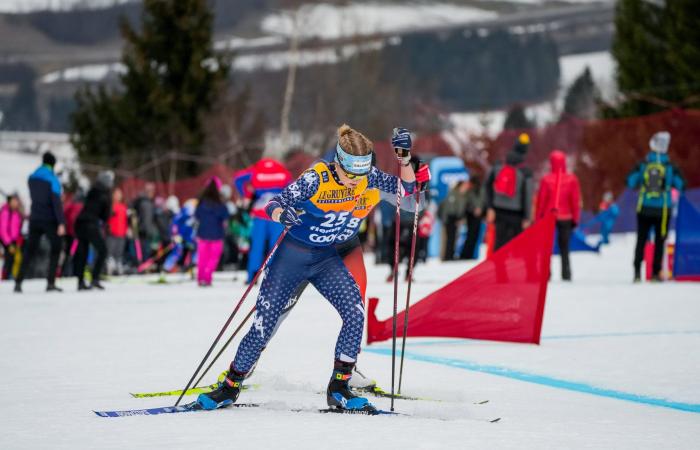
column 100, row 233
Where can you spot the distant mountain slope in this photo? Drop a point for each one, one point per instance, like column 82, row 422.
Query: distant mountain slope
column 89, row 26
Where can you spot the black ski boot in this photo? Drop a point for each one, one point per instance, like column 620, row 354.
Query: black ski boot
column 53, row 288
column 225, row 395
column 339, row 394
column 82, row 286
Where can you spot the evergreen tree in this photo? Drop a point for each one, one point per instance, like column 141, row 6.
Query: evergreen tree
column 22, row 113
column 657, row 48
column 580, row 100
column 683, row 55
column 101, row 129
column 172, row 79
column 516, row 119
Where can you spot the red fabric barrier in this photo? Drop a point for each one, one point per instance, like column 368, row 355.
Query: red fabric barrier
column 182, row 189
column 187, row 188
column 501, row 299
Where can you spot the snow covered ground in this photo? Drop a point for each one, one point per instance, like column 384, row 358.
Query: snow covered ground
column 609, row 349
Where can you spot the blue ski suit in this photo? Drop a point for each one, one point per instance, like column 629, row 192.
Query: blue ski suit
column 331, row 214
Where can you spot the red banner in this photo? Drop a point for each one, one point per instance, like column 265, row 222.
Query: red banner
column 501, row 299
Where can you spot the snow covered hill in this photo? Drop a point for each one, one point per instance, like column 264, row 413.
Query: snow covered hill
column 13, row 6
column 20, row 155
column 617, row 367
column 36, row 5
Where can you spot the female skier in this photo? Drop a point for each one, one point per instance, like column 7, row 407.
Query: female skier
column 329, row 197
column 350, row 250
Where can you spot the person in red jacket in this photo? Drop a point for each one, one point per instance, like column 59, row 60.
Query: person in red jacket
column 117, row 226
column 564, row 200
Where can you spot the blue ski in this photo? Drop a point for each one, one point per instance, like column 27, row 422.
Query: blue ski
column 194, row 406
column 189, row 407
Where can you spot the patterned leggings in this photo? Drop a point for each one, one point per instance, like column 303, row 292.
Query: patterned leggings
column 292, row 264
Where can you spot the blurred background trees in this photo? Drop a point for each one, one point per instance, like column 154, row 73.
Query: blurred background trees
column 657, row 48
column 172, row 79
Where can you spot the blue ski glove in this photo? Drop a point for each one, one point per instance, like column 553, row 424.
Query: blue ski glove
column 401, row 142
column 289, row 217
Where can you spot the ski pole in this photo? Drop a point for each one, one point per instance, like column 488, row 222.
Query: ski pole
column 137, row 239
column 411, row 261
column 150, row 261
column 252, row 310
column 235, row 310
column 397, row 236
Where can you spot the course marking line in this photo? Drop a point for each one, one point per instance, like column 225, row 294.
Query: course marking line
column 560, row 337
column 543, row 380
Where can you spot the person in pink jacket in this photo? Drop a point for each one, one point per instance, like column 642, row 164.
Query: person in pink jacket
column 11, row 219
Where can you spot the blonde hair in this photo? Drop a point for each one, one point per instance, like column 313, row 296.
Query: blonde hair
column 354, row 142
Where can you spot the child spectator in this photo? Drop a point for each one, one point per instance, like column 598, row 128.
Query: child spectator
column 10, row 233
column 607, row 214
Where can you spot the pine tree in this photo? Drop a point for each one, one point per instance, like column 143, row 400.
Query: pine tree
column 580, row 99
column 172, row 79
column 516, row 119
column 657, row 48
column 683, row 49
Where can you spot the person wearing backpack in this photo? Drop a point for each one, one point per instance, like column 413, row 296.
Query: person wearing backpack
column 654, row 177
column 509, row 190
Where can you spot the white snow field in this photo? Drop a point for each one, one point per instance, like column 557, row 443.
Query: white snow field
column 618, row 368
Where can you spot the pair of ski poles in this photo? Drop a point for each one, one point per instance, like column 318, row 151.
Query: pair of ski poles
column 411, row 261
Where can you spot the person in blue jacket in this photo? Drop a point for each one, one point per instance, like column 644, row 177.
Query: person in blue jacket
column 654, row 177
column 607, row 215
column 322, row 207
column 45, row 219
